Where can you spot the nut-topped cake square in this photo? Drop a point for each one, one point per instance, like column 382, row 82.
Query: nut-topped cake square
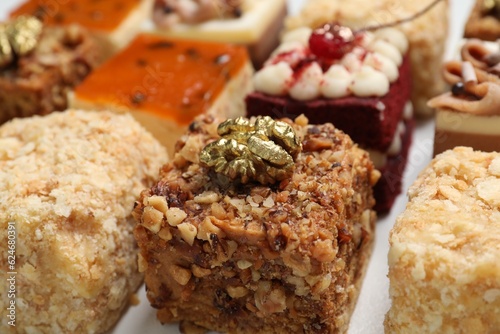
column 258, row 226
column 112, row 23
column 39, row 65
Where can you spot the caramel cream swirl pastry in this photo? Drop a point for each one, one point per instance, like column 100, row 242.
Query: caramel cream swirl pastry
column 469, row 115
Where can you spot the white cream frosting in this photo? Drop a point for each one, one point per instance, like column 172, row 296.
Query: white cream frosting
column 369, row 82
column 307, row 87
column 387, row 49
column 408, row 111
column 394, row 37
column 336, row 82
column 382, row 64
column 379, row 158
column 274, row 79
column 352, row 62
column 367, row 70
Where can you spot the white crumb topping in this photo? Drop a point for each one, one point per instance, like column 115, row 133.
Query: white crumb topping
column 68, row 181
column 444, row 249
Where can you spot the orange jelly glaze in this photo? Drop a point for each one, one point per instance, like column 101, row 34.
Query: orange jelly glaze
column 174, row 79
column 103, row 15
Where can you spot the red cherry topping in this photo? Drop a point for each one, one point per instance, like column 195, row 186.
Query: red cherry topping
column 332, row 41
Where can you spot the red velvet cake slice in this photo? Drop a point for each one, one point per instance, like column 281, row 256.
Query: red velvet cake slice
column 359, row 81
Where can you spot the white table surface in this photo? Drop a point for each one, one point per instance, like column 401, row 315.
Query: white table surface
column 374, row 300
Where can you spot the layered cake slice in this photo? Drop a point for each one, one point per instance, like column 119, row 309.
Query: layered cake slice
column 427, row 34
column 359, row 81
column 39, row 65
column 443, row 259
column 258, row 226
column 166, row 83
column 113, row 23
column 254, row 23
column 469, row 115
column 484, row 21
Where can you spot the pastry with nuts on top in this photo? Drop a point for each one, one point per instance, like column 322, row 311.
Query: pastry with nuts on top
column 39, row 65
column 258, row 226
column 111, row 23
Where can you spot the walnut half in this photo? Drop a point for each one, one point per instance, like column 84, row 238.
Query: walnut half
column 263, row 151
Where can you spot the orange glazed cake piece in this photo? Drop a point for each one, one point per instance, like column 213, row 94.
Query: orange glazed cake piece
column 114, row 23
column 166, row 83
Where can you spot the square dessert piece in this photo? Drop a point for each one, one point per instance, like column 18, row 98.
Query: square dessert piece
column 444, row 250
column 469, row 115
column 483, row 22
column 166, row 83
column 37, row 81
column 274, row 237
column 113, row 23
column 426, row 34
column 359, row 81
column 254, row 23
column 68, row 182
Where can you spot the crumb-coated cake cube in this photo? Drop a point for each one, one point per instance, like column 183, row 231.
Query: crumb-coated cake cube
column 444, row 270
column 242, row 256
column 37, row 83
column 68, row 182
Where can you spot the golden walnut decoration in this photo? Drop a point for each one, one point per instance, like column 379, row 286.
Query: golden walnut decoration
column 263, row 151
column 18, row 38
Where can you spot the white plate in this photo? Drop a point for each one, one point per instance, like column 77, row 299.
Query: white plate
column 374, row 299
